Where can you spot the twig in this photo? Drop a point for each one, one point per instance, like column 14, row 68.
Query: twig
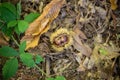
column 48, row 66
column 41, row 71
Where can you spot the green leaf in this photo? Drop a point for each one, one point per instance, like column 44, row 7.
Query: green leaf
column 12, row 23
column 7, row 51
column 38, row 59
column 31, row 17
column 60, row 78
column 103, row 51
column 7, row 31
column 22, row 25
column 17, row 30
column 18, row 9
column 6, row 15
column 10, row 7
column 10, row 68
column 50, row 79
column 27, row 59
column 22, row 47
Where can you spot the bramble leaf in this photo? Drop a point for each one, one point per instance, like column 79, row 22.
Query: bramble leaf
column 60, row 78
column 7, row 51
column 10, row 68
column 22, row 25
column 22, row 47
column 10, row 7
column 27, row 59
column 6, row 15
column 31, row 17
column 38, row 59
column 50, row 79
column 12, row 23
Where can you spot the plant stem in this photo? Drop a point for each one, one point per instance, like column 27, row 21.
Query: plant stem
column 41, row 71
column 15, row 41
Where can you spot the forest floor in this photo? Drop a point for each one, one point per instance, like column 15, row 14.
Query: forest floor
column 94, row 53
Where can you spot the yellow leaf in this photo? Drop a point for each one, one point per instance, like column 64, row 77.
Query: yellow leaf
column 42, row 27
column 33, row 42
column 42, row 23
column 113, row 4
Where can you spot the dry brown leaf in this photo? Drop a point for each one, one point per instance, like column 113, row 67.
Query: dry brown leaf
column 113, row 4
column 42, row 23
column 101, row 12
column 80, row 33
column 3, row 40
column 84, row 49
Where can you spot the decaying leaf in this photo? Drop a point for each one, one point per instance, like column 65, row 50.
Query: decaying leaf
column 83, row 48
column 108, row 51
column 42, row 23
column 3, row 39
column 113, row 4
column 101, row 12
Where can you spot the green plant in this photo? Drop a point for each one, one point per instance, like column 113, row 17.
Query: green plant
column 10, row 21
column 11, row 24
column 11, row 65
column 56, row 78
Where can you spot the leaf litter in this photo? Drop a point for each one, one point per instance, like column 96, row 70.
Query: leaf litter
column 95, row 51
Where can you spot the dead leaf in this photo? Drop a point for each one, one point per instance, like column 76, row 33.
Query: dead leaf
column 42, row 23
column 101, row 12
column 80, row 33
column 83, row 48
column 113, row 4
column 3, row 40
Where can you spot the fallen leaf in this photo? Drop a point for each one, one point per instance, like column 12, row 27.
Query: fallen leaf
column 80, row 33
column 106, row 53
column 101, row 12
column 113, row 4
column 3, row 40
column 83, row 48
column 42, row 23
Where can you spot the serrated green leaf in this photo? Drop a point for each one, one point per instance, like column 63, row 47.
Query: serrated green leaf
column 7, row 31
column 6, row 15
column 17, row 30
column 7, row 51
column 22, row 25
column 10, row 7
column 103, row 51
column 50, row 79
column 60, row 78
column 22, row 47
column 31, row 17
column 12, row 23
column 38, row 59
column 27, row 59
column 18, row 9
column 10, row 68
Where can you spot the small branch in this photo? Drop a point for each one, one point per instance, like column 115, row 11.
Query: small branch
column 41, row 71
